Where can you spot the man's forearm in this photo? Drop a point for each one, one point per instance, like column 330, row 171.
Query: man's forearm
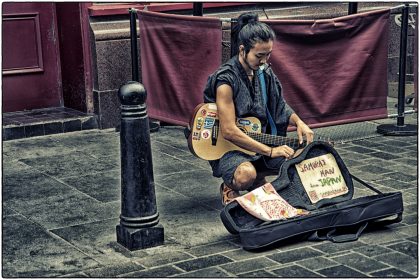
column 294, row 119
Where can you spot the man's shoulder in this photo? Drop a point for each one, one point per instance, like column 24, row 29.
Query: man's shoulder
column 227, row 68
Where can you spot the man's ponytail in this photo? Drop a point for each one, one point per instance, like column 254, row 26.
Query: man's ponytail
column 243, row 20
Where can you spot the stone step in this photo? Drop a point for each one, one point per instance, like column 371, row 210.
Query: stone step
column 39, row 122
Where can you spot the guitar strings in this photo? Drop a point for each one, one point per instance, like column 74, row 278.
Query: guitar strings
column 274, row 140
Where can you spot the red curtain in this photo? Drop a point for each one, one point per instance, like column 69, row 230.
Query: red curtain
column 178, row 53
column 334, row 70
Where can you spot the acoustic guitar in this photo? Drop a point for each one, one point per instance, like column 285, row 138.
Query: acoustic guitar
column 207, row 143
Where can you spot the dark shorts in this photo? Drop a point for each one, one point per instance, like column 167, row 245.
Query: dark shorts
column 226, row 166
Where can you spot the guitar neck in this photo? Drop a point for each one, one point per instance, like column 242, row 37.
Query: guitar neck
column 272, row 140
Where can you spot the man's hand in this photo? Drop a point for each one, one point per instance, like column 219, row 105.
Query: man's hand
column 282, row 151
column 304, row 130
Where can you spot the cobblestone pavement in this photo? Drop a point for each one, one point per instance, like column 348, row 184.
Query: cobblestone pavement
column 61, row 203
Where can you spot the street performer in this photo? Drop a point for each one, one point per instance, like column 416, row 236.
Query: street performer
column 236, row 89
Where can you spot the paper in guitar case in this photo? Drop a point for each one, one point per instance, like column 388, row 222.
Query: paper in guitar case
column 338, row 219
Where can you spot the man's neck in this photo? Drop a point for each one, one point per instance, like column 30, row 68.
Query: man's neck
column 246, row 66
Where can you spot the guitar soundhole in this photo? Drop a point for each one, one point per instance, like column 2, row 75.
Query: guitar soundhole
column 243, row 130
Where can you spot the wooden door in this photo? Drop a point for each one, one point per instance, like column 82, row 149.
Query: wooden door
column 30, row 56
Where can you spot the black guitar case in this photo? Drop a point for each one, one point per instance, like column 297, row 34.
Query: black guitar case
column 339, row 219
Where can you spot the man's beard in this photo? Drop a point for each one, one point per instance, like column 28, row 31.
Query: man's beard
column 247, row 63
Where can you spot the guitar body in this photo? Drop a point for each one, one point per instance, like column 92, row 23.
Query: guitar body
column 206, row 141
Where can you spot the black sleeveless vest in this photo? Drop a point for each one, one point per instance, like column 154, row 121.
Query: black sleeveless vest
column 247, row 95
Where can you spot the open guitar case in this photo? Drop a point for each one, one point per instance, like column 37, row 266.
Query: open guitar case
column 339, row 219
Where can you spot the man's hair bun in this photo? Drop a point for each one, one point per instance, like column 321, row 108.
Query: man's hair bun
column 246, row 18
column 248, row 31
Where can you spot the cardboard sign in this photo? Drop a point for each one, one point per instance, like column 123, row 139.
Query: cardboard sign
column 321, row 177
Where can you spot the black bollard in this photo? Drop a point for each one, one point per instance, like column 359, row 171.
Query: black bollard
column 139, row 220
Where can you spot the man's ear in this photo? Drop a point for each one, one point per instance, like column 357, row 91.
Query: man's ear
column 241, row 49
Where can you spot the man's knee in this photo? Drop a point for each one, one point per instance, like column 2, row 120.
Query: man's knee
column 244, row 176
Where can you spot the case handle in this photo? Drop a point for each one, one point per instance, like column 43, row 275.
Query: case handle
column 346, row 237
column 339, row 238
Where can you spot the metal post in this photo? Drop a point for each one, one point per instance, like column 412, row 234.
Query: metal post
column 402, row 66
column 401, row 129
column 198, row 9
column 352, row 8
column 139, row 220
column 135, row 76
column 233, row 42
column 134, row 49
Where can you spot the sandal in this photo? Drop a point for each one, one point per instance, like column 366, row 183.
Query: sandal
column 227, row 194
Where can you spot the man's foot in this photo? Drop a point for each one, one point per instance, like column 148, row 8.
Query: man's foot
column 227, row 194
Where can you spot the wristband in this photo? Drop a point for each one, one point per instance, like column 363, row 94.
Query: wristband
column 271, row 152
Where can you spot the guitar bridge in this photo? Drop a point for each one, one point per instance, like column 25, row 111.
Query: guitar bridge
column 215, row 132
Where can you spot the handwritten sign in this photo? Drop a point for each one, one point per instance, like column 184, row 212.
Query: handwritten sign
column 321, row 177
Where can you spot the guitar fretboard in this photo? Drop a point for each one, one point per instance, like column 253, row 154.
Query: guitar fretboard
column 272, row 140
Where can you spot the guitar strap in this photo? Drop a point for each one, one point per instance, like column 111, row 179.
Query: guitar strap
column 273, row 127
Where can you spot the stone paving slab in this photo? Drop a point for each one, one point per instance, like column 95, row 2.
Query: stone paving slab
column 102, row 186
column 160, row 272
column 225, row 248
column 317, row 263
column 101, row 234
column 30, row 251
column 406, row 247
column 70, row 209
column 391, row 273
column 75, row 164
column 295, row 271
column 210, row 272
column 360, row 262
column 114, row 270
column 402, row 261
column 341, row 271
column 240, row 267
column 61, row 204
column 160, row 259
column 257, row 274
